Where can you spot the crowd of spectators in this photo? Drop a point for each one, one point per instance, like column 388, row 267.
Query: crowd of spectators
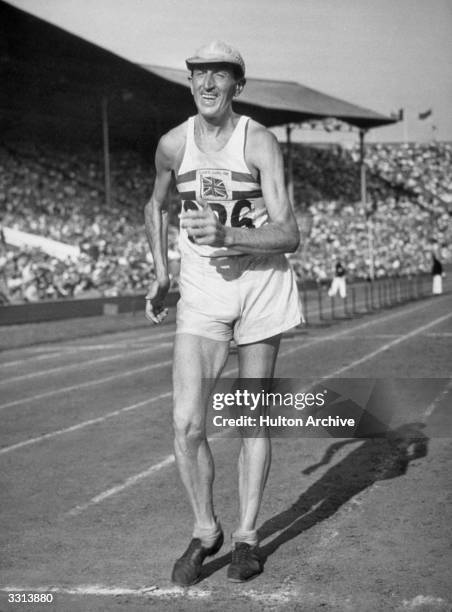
column 424, row 170
column 60, row 195
column 392, row 237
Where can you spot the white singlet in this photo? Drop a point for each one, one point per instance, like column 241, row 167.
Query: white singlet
column 225, row 181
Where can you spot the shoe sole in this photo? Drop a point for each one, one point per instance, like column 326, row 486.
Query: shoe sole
column 187, row 585
column 245, row 579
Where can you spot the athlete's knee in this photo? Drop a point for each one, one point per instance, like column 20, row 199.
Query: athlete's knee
column 189, row 431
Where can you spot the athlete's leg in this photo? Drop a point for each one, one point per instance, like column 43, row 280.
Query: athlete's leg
column 256, row 361
column 195, row 359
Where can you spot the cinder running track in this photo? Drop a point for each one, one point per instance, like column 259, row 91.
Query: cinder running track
column 93, row 512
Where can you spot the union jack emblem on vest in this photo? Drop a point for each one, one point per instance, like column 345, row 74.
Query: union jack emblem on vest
column 213, row 187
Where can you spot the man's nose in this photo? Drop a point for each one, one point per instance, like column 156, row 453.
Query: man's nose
column 209, row 81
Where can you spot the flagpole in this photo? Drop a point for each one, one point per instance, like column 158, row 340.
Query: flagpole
column 106, row 148
column 363, row 181
column 434, row 128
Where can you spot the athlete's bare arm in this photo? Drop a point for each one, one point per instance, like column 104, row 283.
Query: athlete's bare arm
column 156, row 222
column 280, row 234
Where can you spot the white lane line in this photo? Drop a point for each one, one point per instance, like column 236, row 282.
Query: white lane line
column 380, row 336
column 277, row 596
column 225, row 374
column 351, row 330
column 132, row 480
column 87, row 423
column 426, row 602
column 438, row 399
column 83, row 424
column 439, row 335
column 147, row 592
column 82, row 364
column 373, row 336
column 62, row 349
column 31, row 350
column 84, row 385
column 32, row 359
column 126, row 408
column 389, row 345
column 169, row 460
column 355, row 337
column 292, row 350
column 139, row 338
column 137, row 334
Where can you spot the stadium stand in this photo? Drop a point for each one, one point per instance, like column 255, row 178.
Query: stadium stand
column 59, row 194
column 422, row 170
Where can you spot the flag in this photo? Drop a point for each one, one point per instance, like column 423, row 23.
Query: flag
column 425, row 114
column 213, row 187
column 398, row 115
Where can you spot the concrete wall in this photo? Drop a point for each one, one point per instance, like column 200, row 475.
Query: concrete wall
column 68, row 309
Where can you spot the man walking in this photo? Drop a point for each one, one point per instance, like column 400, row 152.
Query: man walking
column 235, row 282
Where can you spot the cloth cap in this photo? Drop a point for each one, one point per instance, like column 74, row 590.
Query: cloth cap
column 217, row 52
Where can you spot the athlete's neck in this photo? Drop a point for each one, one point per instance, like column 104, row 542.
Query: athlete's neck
column 215, row 126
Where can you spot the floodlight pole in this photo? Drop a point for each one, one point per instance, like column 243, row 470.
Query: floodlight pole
column 362, row 167
column 289, row 179
column 106, row 147
column 363, row 183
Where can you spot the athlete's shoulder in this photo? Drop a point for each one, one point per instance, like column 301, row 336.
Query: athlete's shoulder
column 256, row 128
column 260, row 141
column 171, row 145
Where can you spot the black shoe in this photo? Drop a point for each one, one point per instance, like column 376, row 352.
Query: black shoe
column 245, row 564
column 187, row 569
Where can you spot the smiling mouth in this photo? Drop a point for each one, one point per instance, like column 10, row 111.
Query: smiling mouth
column 208, row 97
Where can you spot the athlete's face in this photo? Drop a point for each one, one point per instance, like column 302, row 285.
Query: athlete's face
column 213, row 86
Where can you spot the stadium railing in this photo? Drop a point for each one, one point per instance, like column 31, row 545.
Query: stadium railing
column 363, row 297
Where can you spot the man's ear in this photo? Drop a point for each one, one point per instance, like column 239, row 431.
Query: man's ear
column 239, row 87
column 190, row 80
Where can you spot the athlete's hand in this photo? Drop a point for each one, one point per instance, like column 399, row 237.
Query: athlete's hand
column 204, row 226
column 155, row 297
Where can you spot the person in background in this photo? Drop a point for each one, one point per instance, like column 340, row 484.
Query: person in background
column 338, row 284
column 437, row 276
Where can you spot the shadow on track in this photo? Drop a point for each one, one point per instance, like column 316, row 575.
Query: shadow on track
column 375, row 459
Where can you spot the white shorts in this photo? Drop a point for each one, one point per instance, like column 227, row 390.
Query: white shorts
column 245, row 297
column 338, row 286
column 437, row 286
